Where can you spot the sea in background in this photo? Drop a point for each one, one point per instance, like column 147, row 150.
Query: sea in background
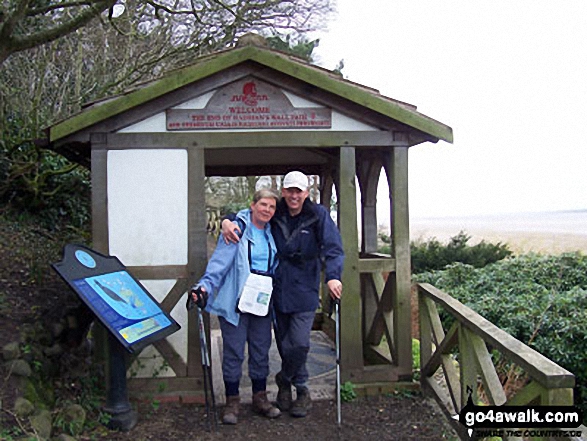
column 540, row 232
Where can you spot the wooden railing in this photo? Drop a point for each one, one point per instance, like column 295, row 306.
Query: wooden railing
column 456, row 362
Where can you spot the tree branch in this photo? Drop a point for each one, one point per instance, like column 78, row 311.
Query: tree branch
column 11, row 43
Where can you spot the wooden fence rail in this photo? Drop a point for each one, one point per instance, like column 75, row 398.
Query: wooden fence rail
column 467, row 365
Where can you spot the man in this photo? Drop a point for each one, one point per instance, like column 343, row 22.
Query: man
column 307, row 240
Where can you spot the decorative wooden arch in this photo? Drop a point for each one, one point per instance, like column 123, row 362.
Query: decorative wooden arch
column 368, row 133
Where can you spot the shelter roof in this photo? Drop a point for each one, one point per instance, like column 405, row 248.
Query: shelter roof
column 61, row 135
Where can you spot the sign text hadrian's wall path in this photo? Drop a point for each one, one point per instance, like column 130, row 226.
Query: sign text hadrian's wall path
column 249, row 104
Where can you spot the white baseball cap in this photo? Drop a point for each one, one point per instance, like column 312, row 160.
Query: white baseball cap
column 296, row 179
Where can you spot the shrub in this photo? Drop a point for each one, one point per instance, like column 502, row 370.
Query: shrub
column 433, row 255
column 38, row 182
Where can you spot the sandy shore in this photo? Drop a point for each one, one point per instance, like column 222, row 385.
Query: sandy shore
column 546, row 233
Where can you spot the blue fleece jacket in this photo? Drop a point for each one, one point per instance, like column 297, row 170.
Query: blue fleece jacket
column 228, row 269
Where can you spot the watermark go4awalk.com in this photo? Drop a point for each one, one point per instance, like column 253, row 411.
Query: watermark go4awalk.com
column 507, row 421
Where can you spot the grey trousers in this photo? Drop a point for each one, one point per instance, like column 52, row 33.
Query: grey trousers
column 292, row 334
column 254, row 331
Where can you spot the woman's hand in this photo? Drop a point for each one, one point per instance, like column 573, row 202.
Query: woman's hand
column 199, row 297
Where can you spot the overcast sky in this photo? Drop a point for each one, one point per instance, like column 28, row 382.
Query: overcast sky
column 509, row 77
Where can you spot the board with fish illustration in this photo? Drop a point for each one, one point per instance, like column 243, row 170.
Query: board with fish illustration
column 117, row 299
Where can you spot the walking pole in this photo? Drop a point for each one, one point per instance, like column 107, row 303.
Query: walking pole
column 337, row 320
column 206, row 365
column 207, row 368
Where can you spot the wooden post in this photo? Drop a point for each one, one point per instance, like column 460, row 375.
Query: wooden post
column 351, row 335
column 402, row 328
column 99, row 176
column 467, row 368
column 108, row 350
column 197, row 248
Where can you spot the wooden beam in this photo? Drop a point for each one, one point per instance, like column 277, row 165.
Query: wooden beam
column 442, row 349
column 283, row 139
column 159, row 272
column 173, row 386
column 439, row 394
column 351, row 310
column 529, row 394
column 370, row 294
column 431, row 387
column 382, row 321
column 197, row 247
column 100, row 236
column 492, row 385
column 375, row 374
column 99, row 176
column 175, row 294
column 430, row 310
column 377, row 355
column 557, row 397
column 171, row 357
column 440, row 357
column 425, row 333
column 401, row 252
column 545, row 371
column 377, row 265
column 467, row 368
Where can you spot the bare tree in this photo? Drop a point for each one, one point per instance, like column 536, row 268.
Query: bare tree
column 53, row 62
column 26, row 24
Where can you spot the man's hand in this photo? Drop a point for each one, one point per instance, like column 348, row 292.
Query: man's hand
column 230, row 232
column 199, row 296
column 334, row 288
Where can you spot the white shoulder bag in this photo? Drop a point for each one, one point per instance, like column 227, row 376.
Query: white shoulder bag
column 256, row 294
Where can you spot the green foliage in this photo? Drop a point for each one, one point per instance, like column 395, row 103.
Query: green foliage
column 433, row 255
column 540, row 300
column 234, row 207
column 416, row 358
column 39, row 182
column 347, row 392
column 405, row 393
column 301, row 48
column 11, row 433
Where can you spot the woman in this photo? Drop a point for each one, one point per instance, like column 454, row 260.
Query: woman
column 227, row 272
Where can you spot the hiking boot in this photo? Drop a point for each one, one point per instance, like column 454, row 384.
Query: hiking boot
column 231, row 410
column 302, row 404
column 262, row 406
column 284, row 396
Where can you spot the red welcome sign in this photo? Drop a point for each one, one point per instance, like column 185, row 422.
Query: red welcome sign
column 249, row 104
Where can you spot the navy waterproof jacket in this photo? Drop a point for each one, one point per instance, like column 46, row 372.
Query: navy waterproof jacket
column 303, row 251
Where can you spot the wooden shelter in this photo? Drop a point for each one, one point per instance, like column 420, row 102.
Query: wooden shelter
column 242, row 112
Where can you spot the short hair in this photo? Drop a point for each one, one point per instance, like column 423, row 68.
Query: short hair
column 265, row 193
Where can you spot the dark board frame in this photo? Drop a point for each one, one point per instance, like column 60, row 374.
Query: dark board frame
column 132, row 315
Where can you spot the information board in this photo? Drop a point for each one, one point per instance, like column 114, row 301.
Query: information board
column 117, row 299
